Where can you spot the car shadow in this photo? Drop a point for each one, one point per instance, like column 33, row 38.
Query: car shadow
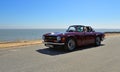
column 52, row 52
column 59, row 51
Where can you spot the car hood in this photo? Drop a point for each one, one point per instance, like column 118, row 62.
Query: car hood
column 54, row 34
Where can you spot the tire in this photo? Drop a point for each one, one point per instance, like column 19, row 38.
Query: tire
column 70, row 44
column 97, row 41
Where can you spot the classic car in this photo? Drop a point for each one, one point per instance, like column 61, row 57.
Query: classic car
column 75, row 35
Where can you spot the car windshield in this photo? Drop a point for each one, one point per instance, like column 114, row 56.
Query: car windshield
column 75, row 29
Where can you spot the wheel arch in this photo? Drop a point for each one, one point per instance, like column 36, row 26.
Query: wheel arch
column 72, row 37
column 100, row 36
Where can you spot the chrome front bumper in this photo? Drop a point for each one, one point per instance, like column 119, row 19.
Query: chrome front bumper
column 51, row 43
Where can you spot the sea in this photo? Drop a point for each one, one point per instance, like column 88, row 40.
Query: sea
column 8, row 35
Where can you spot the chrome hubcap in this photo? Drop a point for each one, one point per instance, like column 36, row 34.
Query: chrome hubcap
column 71, row 44
column 97, row 41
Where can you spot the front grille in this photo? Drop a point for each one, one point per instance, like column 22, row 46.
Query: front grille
column 50, row 38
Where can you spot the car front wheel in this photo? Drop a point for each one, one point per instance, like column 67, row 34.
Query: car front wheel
column 70, row 44
column 97, row 41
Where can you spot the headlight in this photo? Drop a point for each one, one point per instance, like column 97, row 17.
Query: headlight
column 43, row 37
column 58, row 38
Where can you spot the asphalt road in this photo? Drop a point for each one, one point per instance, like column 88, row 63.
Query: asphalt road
column 38, row 58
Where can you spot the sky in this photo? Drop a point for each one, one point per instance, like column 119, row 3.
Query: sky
column 40, row 14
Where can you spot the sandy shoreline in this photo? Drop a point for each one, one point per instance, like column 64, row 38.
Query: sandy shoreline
column 34, row 42
column 19, row 43
column 112, row 34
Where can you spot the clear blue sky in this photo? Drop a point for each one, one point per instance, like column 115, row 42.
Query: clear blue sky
column 59, row 13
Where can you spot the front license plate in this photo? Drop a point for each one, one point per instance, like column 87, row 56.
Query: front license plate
column 49, row 45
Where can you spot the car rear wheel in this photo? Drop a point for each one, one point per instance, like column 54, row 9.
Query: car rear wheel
column 70, row 44
column 97, row 41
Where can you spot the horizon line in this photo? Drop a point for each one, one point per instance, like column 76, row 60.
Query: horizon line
column 54, row 28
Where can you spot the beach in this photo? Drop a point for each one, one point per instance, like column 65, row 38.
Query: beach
column 19, row 43
column 35, row 42
column 112, row 34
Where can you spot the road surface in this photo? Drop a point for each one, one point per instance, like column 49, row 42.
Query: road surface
column 38, row 58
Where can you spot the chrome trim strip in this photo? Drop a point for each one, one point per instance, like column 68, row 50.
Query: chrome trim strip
column 53, row 43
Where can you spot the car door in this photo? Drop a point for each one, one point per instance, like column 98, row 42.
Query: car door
column 89, row 36
column 80, row 36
